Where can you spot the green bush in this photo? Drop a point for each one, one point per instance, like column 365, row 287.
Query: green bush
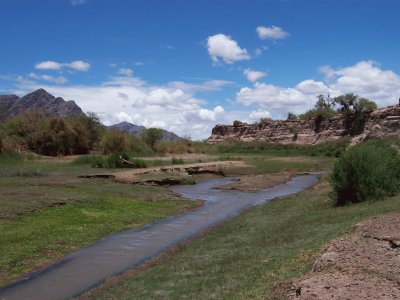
column 177, row 161
column 114, row 161
column 367, row 171
column 138, row 163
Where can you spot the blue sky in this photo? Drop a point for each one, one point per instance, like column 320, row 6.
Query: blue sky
column 186, row 65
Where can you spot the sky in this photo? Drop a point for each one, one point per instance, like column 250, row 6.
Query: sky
column 187, row 65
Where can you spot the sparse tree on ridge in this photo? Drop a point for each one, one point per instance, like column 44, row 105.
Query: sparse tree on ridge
column 152, row 135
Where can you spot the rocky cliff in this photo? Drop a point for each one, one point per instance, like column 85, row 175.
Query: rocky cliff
column 377, row 123
column 12, row 105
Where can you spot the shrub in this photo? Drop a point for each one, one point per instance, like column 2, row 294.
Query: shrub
column 114, row 161
column 138, row 163
column 367, row 171
column 177, row 161
column 113, row 141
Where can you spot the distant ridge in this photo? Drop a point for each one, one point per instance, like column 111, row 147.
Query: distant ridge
column 12, row 105
column 138, row 131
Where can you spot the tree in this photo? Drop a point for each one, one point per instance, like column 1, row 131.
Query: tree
column 114, row 141
column 353, row 108
column 291, row 117
column 152, row 135
column 323, row 109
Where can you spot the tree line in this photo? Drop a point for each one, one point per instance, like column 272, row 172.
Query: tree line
column 41, row 133
column 351, row 106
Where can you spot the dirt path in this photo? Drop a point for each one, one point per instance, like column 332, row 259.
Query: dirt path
column 364, row 264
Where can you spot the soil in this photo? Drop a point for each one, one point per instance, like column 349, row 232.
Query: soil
column 256, row 183
column 364, row 264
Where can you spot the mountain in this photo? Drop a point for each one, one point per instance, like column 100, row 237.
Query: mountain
column 12, row 105
column 377, row 123
column 138, row 130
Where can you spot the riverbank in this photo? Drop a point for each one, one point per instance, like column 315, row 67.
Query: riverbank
column 47, row 211
column 255, row 255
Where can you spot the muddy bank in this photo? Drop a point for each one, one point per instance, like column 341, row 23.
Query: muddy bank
column 364, row 264
column 256, row 183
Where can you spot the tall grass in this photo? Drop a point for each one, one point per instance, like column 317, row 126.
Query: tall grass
column 329, row 149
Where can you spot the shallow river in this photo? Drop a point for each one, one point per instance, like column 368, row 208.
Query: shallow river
column 89, row 266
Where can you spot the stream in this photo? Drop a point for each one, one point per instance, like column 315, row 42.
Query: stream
column 87, row 267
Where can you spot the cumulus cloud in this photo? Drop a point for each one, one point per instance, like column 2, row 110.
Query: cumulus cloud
column 258, row 114
column 273, row 33
column 221, row 46
column 54, row 79
column 125, row 72
column 48, row 65
column 77, row 65
column 365, row 79
column 175, row 107
column 253, row 75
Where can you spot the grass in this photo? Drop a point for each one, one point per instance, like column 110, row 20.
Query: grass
column 270, row 164
column 329, row 148
column 46, row 211
column 249, row 256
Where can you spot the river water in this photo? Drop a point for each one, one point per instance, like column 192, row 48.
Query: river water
column 90, row 266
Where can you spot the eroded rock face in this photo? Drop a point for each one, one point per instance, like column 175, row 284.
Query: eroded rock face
column 379, row 123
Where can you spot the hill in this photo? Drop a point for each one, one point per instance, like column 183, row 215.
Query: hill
column 138, row 130
column 12, row 105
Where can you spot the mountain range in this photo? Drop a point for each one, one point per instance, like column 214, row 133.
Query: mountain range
column 138, row 131
column 12, row 105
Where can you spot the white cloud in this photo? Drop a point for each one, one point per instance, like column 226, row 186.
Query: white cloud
column 365, row 79
column 277, row 100
column 204, row 115
column 253, row 76
column 368, row 80
column 77, row 2
column 273, row 33
column 125, row 72
column 256, row 115
column 48, row 65
column 131, row 99
column 54, row 79
column 78, row 65
column 221, row 46
column 311, row 87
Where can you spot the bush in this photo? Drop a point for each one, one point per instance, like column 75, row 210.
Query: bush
column 114, row 161
column 113, row 141
column 367, row 171
column 177, row 161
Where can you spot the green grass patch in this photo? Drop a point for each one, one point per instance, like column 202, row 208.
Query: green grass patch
column 46, row 211
column 48, row 234
column 265, row 164
column 329, row 148
column 250, row 255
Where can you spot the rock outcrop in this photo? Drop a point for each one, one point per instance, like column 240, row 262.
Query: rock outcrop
column 377, row 123
column 12, row 105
